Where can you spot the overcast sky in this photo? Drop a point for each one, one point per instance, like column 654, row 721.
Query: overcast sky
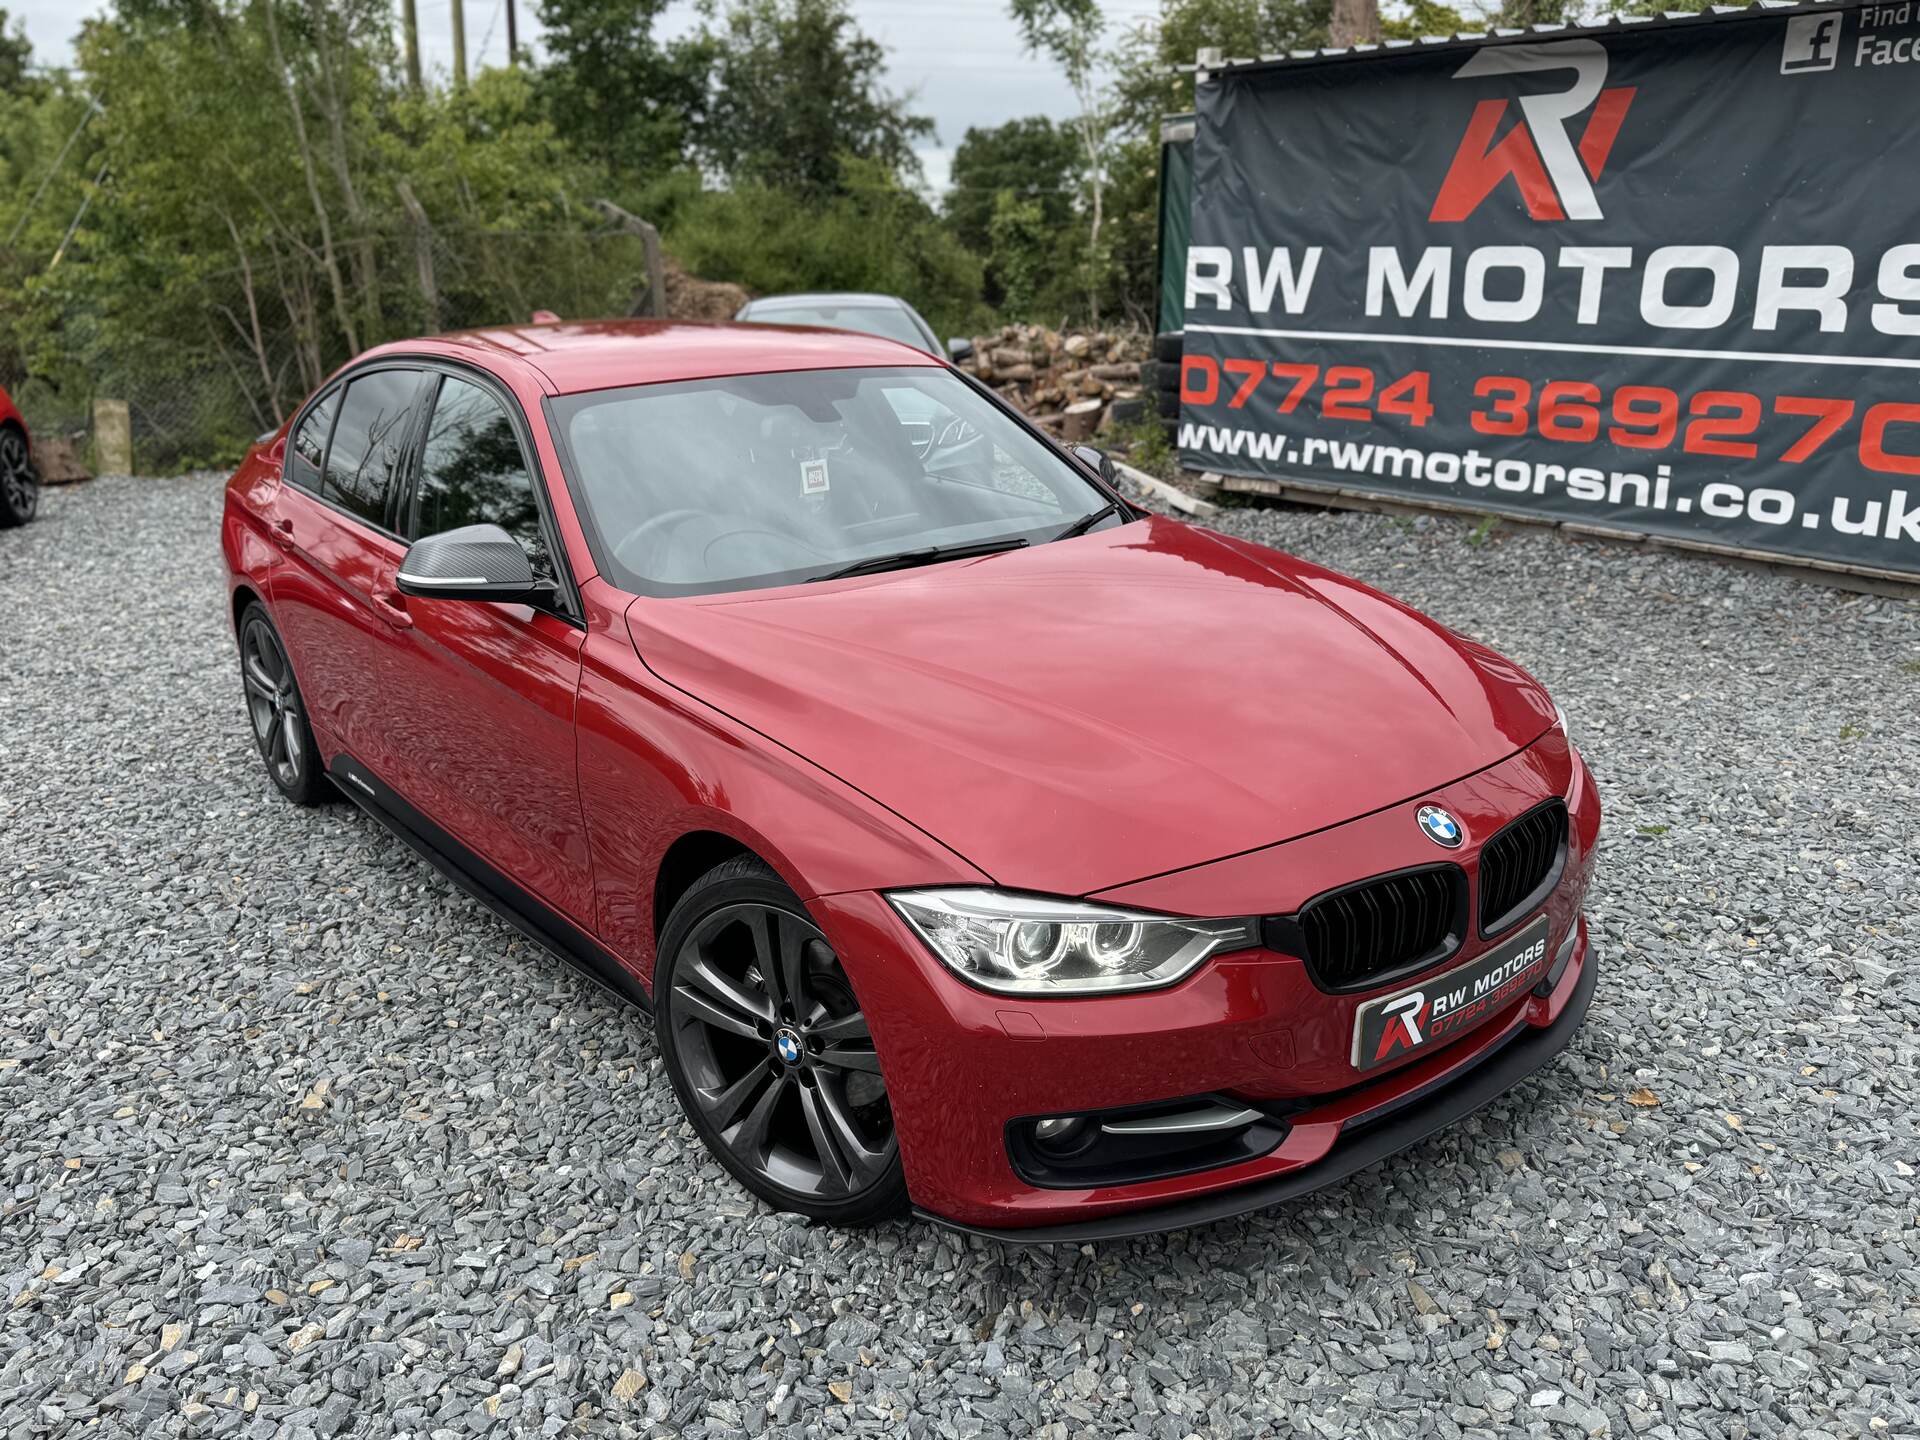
column 960, row 59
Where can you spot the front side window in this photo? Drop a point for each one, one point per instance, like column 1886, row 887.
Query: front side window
column 746, row 481
column 310, row 443
column 367, row 442
column 472, row 472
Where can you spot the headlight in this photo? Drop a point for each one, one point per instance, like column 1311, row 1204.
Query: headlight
column 1560, row 719
column 1029, row 945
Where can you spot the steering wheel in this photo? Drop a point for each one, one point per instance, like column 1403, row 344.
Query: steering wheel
column 656, row 522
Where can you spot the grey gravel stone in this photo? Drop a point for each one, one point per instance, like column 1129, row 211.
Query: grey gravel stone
column 296, row 1141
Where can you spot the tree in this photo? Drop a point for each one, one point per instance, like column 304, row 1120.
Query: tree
column 1033, row 158
column 1022, row 243
column 627, row 102
column 1355, row 22
column 1070, row 31
column 16, row 55
column 796, row 91
column 1147, row 83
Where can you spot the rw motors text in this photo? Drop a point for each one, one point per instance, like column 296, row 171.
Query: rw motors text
column 1672, row 287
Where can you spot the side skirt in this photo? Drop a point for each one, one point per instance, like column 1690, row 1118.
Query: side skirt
column 528, row 914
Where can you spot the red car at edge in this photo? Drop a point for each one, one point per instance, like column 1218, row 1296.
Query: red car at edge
column 19, row 483
column 977, row 841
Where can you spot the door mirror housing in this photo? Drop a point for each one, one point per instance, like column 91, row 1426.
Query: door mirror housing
column 1097, row 459
column 959, row 348
column 475, row 562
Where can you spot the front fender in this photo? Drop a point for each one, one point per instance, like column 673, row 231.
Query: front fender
column 656, row 764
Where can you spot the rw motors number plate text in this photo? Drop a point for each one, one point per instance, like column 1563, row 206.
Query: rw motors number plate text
column 1447, row 1006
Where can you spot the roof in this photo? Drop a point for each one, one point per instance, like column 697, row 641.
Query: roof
column 602, row 354
column 1611, row 24
column 849, row 299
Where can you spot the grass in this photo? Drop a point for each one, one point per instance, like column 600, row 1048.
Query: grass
column 1478, row 535
column 1144, row 443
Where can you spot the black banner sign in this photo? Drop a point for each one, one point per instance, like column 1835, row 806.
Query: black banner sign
column 1662, row 279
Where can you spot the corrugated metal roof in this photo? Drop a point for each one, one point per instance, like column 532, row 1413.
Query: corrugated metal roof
column 1502, row 35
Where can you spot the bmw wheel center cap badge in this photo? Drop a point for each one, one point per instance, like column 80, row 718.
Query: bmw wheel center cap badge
column 788, row 1045
column 1440, row 826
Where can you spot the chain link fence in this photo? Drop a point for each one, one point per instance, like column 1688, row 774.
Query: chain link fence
column 207, row 361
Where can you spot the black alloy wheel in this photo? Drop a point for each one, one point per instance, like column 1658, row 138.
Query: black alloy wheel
column 274, row 708
column 770, row 1053
column 19, row 483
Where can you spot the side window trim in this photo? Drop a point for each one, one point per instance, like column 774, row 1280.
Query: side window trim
column 406, row 499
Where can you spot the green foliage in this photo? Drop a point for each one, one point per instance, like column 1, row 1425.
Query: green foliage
column 797, row 91
column 1146, row 83
column 1425, row 17
column 15, row 55
column 624, row 101
column 874, row 235
column 1034, row 158
column 1022, row 244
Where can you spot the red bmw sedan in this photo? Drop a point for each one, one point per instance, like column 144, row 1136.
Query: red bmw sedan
column 977, row 842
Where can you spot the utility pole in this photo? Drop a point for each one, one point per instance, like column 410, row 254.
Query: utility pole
column 459, row 45
column 513, row 36
column 410, row 23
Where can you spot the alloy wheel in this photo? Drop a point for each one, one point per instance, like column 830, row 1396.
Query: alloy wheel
column 19, row 486
column 273, row 702
column 778, row 1058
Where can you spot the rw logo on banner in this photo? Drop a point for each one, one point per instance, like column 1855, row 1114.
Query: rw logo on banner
column 1555, row 173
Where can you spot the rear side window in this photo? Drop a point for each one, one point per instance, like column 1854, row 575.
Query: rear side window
column 367, row 442
column 310, row 443
column 472, row 472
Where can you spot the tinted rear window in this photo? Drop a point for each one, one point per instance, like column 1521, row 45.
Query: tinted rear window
column 367, row 442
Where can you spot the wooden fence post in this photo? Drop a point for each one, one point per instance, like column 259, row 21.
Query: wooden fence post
column 655, row 301
column 112, row 437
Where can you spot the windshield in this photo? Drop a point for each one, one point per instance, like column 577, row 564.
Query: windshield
column 882, row 320
column 753, row 480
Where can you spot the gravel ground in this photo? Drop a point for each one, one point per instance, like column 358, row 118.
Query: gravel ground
column 297, row 1141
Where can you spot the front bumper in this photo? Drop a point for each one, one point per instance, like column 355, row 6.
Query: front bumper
column 1517, row 1052
column 962, row 1065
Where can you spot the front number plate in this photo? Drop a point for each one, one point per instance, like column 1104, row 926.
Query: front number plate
column 1447, row 1006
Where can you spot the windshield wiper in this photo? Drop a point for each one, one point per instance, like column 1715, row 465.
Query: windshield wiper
column 1087, row 522
column 907, row 559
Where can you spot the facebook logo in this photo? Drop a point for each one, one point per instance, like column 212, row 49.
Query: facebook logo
column 1813, row 43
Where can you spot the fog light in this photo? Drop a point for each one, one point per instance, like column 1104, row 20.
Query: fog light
column 1061, row 1133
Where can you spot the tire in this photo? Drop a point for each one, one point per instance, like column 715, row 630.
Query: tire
column 19, row 482
column 1160, row 375
column 275, row 712
column 1169, row 404
column 1170, row 345
column 769, row 1053
column 1128, row 409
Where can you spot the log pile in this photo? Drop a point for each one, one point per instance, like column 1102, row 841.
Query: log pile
column 1067, row 381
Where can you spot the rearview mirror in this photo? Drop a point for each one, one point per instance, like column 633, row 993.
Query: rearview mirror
column 959, row 348
column 475, row 562
column 1098, row 459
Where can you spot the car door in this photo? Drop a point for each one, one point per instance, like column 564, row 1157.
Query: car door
column 343, row 621
column 481, row 715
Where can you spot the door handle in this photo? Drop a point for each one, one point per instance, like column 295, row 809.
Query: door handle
column 282, row 534
column 393, row 608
